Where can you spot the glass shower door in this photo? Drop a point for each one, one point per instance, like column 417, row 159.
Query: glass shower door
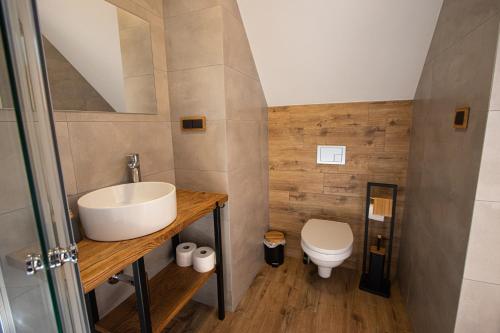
column 26, row 304
column 33, row 208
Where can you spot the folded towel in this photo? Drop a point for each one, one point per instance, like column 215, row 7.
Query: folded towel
column 375, row 217
column 382, row 206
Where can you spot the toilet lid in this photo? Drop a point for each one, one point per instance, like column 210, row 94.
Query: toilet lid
column 327, row 237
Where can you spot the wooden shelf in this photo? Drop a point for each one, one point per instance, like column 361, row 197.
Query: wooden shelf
column 170, row 290
column 100, row 260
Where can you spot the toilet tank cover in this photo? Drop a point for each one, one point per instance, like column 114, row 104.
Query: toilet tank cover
column 329, row 237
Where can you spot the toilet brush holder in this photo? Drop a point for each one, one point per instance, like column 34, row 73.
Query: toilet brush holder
column 374, row 279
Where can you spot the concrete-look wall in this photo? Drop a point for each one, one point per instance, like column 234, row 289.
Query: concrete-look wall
column 444, row 162
column 479, row 307
column 212, row 73
column 93, row 145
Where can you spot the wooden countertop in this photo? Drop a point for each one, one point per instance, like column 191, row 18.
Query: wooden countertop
column 100, row 260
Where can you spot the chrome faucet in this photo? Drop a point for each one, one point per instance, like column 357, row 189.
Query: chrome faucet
column 134, row 167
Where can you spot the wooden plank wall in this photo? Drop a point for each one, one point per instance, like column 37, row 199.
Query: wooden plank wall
column 377, row 137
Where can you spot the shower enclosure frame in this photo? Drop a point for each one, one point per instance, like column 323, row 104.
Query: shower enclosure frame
column 32, row 106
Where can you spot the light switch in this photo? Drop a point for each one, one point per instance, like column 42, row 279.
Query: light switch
column 197, row 123
column 331, row 155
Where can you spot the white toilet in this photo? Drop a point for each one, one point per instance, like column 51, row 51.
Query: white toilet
column 327, row 243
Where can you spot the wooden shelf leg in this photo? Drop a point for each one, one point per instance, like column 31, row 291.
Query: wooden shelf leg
column 92, row 311
column 218, row 266
column 142, row 295
column 176, row 240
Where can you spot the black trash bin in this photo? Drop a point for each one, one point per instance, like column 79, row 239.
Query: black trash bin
column 274, row 248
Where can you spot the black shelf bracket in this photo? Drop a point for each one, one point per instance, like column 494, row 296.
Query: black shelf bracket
column 92, row 311
column 142, row 295
column 219, row 269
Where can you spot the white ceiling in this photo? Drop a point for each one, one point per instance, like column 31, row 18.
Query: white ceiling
column 328, row 51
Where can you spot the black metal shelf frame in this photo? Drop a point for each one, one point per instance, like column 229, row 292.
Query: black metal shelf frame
column 141, row 282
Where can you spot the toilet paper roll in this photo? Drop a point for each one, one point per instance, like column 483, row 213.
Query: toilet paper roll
column 203, row 259
column 184, row 254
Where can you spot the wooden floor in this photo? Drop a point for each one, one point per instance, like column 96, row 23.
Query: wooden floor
column 292, row 298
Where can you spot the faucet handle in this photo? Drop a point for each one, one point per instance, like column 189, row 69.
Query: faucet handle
column 133, row 160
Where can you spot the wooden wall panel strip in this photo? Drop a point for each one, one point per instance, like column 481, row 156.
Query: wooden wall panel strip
column 377, row 139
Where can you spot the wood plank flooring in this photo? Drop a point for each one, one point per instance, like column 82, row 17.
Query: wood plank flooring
column 293, row 298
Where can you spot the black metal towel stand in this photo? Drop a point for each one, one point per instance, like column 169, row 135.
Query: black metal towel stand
column 364, row 284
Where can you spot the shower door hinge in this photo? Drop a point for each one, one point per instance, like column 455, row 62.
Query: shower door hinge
column 56, row 257
column 33, row 263
column 59, row 256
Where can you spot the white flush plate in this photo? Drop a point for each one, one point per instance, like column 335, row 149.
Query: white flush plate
column 331, row 155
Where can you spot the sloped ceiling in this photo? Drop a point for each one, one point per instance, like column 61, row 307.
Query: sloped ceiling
column 329, row 51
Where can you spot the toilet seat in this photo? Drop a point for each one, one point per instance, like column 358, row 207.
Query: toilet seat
column 328, row 238
column 326, row 257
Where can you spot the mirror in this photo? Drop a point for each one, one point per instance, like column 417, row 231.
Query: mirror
column 99, row 57
column 5, row 92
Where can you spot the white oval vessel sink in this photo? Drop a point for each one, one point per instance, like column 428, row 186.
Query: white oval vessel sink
column 127, row 211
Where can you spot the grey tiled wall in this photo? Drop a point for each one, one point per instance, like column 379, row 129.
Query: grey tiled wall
column 212, row 73
column 479, row 307
column 444, row 162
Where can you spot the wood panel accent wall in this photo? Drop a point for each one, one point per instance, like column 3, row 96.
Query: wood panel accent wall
column 377, row 139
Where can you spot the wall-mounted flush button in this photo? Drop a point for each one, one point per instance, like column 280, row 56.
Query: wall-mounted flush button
column 193, row 123
column 331, row 154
